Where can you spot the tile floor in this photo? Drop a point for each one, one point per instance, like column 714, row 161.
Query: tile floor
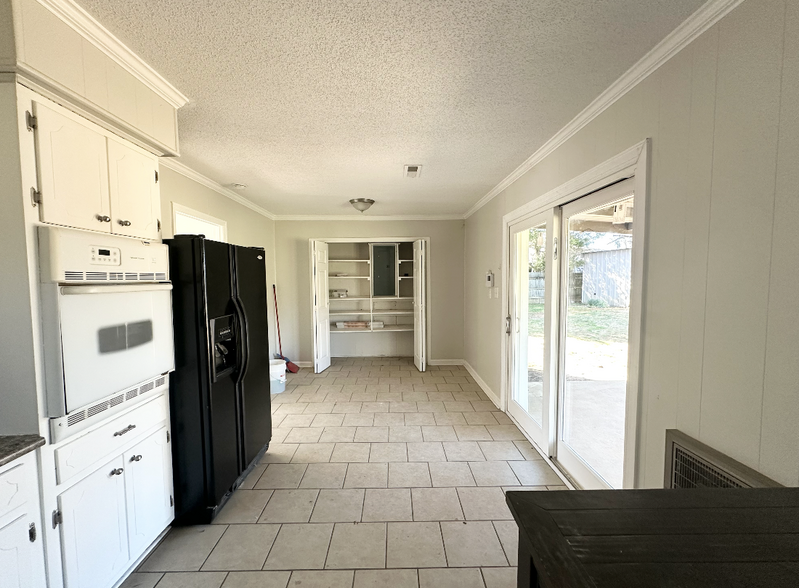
column 377, row 475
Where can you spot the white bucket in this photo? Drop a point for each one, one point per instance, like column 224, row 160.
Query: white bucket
column 277, row 369
column 276, row 386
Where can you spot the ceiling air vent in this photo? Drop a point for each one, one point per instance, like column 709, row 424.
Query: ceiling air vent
column 692, row 464
column 413, row 171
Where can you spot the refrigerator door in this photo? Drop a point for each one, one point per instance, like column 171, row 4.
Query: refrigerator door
column 223, row 401
column 250, row 292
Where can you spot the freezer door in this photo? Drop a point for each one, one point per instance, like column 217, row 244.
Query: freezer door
column 251, row 298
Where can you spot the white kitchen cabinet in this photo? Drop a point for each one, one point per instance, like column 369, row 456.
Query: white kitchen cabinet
column 73, row 171
column 94, row 537
column 91, row 179
column 148, row 483
column 134, row 192
column 21, row 551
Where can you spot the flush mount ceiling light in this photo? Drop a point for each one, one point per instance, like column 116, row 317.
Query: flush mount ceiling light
column 361, row 203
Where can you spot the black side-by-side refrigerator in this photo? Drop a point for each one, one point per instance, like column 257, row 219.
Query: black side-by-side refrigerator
column 219, row 392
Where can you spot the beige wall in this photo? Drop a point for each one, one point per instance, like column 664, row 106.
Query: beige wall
column 244, row 226
column 721, row 317
column 446, row 278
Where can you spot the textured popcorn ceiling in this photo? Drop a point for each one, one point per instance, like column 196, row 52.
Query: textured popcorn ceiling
column 311, row 103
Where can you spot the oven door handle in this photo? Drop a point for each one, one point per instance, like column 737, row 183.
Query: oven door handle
column 116, row 289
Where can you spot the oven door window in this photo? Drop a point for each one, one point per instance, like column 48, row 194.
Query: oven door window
column 112, row 341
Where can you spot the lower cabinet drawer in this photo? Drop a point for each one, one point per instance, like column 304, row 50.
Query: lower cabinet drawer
column 88, row 449
column 14, row 491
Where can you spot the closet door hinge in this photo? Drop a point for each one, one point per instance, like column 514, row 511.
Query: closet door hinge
column 30, row 121
column 36, row 197
column 168, row 437
column 156, row 176
column 57, row 518
column 507, row 325
column 171, row 501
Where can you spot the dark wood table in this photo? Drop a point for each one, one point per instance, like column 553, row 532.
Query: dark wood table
column 665, row 538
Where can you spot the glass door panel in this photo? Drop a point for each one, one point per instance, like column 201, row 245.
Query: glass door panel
column 595, row 316
column 530, row 246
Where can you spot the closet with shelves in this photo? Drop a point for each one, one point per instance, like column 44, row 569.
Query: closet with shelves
column 369, row 299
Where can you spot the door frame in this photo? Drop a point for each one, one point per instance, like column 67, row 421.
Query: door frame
column 428, row 284
column 634, row 163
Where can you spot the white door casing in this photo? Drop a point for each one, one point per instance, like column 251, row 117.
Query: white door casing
column 134, row 192
column 73, row 172
column 321, row 306
column 419, row 305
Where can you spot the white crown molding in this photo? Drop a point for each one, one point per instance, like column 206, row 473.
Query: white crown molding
column 705, row 17
column 186, row 171
column 85, row 24
column 362, row 217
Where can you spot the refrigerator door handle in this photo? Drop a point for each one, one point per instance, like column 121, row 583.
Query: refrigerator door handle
column 243, row 344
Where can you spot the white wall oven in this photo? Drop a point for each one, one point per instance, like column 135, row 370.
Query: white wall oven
column 107, row 324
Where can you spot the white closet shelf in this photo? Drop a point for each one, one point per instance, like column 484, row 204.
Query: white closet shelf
column 405, row 260
column 350, row 260
column 349, row 298
column 345, row 330
column 354, row 313
column 389, row 298
column 394, row 328
column 389, row 312
column 350, row 277
column 406, row 277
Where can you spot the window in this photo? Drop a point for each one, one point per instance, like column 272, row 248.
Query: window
column 186, row 221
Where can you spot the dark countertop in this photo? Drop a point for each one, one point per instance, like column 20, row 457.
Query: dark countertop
column 658, row 538
column 15, row 446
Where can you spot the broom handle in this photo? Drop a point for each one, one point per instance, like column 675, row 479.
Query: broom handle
column 277, row 319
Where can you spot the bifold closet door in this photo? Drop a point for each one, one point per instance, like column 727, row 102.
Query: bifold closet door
column 321, row 306
column 419, row 305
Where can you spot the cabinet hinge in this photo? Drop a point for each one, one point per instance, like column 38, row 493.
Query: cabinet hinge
column 171, row 501
column 32, row 533
column 159, row 225
column 36, row 197
column 30, row 121
column 58, row 518
column 168, row 438
column 156, row 176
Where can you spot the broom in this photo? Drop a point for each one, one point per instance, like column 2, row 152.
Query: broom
column 292, row 367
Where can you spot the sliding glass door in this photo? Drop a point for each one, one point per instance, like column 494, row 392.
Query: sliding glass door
column 570, row 316
column 530, row 323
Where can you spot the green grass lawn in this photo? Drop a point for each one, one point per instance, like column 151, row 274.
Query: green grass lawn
column 588, row 323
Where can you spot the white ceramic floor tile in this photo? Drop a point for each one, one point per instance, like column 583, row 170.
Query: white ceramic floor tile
column 451, row 578
column 500, row 451
column 474, row 543
column 415, row 545
column 463, row 451
column 436, row 504
column 313, row 453
column 289, row 506
column 409, row 475
column 281, row 475
column 494, row 473
column 257, row 580
column 426, row 451
column 371, row 434
column 451, row 473
column 508, row 533
column 184, row 549
column 338, row 506
column 337, row 435
column 405, row 434
column 244, row 506
column 192, row 580
column 439, row 433
column 350, row 453
column 499, row 577
column 300, row 547
column 386, row 579
column 366, row 475
column 279, row 453
column 242, row 547
column 387, row 452
column 484, row 504
column 384, row 505
column 323, row 579
column 535, row 473
column 356, row 546
column 324, row 475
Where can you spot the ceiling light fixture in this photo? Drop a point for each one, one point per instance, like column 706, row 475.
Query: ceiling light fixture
column 361, row 204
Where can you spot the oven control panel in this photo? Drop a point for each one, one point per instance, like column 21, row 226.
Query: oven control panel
column 99, row 255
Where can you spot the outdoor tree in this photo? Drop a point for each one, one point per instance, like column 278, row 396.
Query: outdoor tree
column 579, row 242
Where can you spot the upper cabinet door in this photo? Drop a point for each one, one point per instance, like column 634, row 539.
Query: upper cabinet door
column 73, row 172
column 135, row 196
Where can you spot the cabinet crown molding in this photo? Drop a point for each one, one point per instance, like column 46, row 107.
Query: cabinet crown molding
column 85, row 24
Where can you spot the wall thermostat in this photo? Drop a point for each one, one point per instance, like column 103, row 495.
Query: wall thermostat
column 489, row 279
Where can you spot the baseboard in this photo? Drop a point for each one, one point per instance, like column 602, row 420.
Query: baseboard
column 303, row 364
column 446, row 362
column 485, row 387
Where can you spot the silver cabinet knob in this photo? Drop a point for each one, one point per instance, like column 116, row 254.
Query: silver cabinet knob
column 116, row 472
column 124, row 223
column 136, row 458
column 103, row 218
